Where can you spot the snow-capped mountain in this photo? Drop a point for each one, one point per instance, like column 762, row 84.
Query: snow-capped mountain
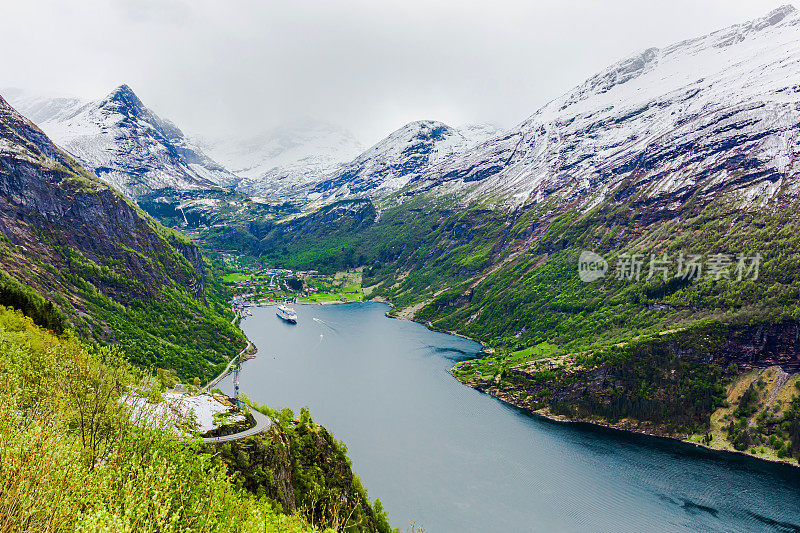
column 398, row 158
column 719, row 112
column 278, row 162
column 123, row 142
column 477, row 132
column 43, row 109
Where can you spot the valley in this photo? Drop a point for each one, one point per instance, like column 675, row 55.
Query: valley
column 464, row 246
column 626, row 257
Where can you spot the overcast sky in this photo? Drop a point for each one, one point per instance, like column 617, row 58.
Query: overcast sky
column 370, row 66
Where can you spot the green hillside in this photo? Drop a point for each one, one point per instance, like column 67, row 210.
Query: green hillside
column 110, row 272
column 509, row 278
column 73, row 460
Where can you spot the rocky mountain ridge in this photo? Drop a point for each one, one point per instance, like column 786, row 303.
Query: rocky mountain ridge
column 117, row 274
column 711, row 113
column 125, row 143
column 401, row 157
column 316, row 163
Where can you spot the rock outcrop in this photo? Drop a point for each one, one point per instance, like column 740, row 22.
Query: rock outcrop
column 763, row 346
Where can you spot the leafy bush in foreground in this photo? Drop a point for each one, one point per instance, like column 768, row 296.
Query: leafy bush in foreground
column 53, row 479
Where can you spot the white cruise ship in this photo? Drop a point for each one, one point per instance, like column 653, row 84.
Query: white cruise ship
column 286, row 314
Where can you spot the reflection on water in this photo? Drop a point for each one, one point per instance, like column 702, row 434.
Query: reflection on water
column 446, row 456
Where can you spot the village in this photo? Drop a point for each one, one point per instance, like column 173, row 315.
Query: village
column 258, row 287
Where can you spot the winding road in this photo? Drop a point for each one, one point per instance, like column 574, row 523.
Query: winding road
column 227, row 369
column 263, row 423
column 230, row 363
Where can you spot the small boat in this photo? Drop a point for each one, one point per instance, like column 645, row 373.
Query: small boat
column 286, row 314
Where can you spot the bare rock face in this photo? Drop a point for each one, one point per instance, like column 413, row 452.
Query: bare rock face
column 762, row 346
column 304, row 469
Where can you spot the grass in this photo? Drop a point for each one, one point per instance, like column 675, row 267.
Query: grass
column 235, row 276
column 239, row 276
column 543, row 349
column 496, row 363
column 346, row 287
column 111, row 474
column 343, row 296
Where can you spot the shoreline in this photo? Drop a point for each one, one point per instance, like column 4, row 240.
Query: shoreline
column 247, row 353
column 332, row 302
column 542, row 413
column 564, row 420
column 560, row 419
column 405, row 315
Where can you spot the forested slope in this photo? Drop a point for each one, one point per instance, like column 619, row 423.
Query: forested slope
column 109, row 269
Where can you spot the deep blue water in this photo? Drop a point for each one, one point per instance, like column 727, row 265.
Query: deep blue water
column 447, row 457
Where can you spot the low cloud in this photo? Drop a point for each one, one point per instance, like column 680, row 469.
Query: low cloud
column 224, row 67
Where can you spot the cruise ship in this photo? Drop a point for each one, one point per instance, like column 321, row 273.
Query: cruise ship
column 286, row 314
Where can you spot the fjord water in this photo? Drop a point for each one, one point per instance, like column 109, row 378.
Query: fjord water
column 451, row 459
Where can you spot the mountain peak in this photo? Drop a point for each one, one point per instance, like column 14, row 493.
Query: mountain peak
column 126, row 144
column 423, row 125
column 123, row 97
column 712, row 106
column 123, row 90
column 421, row 130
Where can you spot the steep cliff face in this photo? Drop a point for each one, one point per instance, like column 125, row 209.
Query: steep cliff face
column 191, row 253
column 299, row 465
column 90, row 250
column 763, row 346
column 50, row 205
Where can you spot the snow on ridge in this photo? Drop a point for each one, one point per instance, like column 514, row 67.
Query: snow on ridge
column 286, row 157
column 394, row 161
column 123, row 142
column 703, row 105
